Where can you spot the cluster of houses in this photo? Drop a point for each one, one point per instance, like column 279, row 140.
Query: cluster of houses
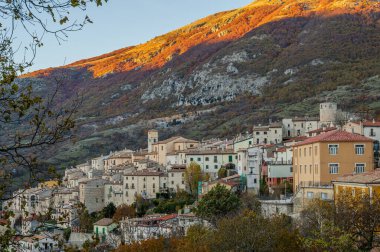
column 295, row 160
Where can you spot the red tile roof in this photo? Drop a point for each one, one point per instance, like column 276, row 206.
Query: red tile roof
column 371, row 124
column 168, row 217
column 335, row 136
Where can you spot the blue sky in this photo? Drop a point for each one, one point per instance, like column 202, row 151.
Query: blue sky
column 121, row 23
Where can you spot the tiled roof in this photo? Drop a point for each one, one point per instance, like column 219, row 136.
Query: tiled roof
column 335, row 136
column 371, row 124
column 372, row 177
column 104, row 222
column 322, row 130
column 168, row 140
column 296, row 139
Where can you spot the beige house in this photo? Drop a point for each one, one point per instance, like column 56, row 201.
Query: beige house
column 176, row 177
column 118, row 158
column 145, row 183
column 319, row 160
column 162, row 148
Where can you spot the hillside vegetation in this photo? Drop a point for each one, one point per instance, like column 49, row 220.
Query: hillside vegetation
column 268, row 59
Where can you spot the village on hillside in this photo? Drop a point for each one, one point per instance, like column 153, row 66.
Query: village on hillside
column 286, row 164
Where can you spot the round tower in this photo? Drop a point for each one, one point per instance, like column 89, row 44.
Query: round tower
column 152, row 138
column 328, row 112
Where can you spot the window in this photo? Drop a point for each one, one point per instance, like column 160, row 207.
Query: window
column 172, row 182
column 316, row 150
column 191, row 159
column 257, row 141
column 250, row 142
column 199, row 159
column 324, row 196
column 216, row 166
column 300, row 152
column 311, row 169
column 275, row 131
column 207, row 159
column 257, row 133
column 359, row 149
column 304, row 152
column 359, row 168
column 310, row 195
column 162, row 147
column 298, row 132
column 310, row 150
column 291, row 168
column 300, row 169
column 265, row 133
column 133, row 186
column 206, row 167
column 334, row 168
column 172, row 174
column 255, row 181
column 333, row 149
column 372, row 133
column 215, row 159
column 230, row 158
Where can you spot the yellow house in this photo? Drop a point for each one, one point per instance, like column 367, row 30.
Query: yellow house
column 321, row 159
column 368, row 183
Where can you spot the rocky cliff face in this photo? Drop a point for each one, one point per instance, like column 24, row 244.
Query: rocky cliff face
column 267, row 55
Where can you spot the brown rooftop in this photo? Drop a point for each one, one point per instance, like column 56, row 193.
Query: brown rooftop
column 372, row 177
column 104, row 222
column 336, row 136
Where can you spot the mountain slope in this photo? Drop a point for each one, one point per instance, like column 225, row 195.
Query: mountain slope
column 253, row 61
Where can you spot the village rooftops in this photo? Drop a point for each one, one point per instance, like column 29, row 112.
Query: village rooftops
column 322, row 130
column 296, row 139
column 105, row 222
column 335, row 136
column 372, row 177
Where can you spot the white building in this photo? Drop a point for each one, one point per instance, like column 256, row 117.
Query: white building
column 211, row 161
column 37, row 243
column 254, row 162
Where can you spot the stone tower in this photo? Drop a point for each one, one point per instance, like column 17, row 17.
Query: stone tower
column 328, row 112
column 152, row 138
